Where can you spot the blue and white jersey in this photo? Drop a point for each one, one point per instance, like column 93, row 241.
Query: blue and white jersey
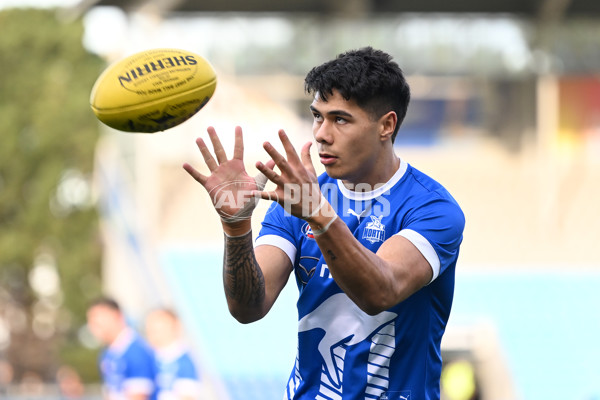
column 344, row 353
column 127, row 366
column 176, row 374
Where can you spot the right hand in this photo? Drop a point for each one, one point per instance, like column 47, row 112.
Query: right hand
column 228, row 185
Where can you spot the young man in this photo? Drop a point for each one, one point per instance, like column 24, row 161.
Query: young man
column 176, row 374
column 373, row 242
column 127, row 363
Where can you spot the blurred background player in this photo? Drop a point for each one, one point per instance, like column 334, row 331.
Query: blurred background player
column 69, row 383
column 176, row 374
column 127, row 362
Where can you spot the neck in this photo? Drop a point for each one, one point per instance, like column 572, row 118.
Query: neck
column 119, row 336
column 381, row 171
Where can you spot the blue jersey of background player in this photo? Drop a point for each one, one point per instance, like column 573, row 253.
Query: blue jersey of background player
column 176, row 375
column 127, row 362
column 373, row 242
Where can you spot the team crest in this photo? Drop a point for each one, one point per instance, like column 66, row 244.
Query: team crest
column 375, row 230
column 307, row 231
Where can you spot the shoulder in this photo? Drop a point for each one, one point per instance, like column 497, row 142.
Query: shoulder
column 185, row 362
column 139, row 348
column 426, row 201
column 422, row 186
column 421, row 180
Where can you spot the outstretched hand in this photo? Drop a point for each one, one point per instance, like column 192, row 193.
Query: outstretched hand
column 229, row 186
column 297, row 185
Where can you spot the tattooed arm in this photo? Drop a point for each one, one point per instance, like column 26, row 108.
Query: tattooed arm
column 251, row 287
column 252, row 279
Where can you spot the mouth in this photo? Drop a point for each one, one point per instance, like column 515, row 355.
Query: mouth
column 327, row 159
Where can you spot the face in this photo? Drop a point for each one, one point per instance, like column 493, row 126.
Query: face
column 161, row 329
column 353, row 146
column 105, row 323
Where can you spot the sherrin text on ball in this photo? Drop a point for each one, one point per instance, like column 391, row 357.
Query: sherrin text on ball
column 153, row 90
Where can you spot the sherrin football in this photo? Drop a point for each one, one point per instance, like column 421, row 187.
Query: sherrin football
column 153, row 90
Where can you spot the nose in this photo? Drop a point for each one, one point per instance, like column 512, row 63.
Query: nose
column 322, row 132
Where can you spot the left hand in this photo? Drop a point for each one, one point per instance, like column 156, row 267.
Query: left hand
column 297, row 186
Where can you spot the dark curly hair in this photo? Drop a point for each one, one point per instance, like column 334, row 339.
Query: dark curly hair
column 367, row 76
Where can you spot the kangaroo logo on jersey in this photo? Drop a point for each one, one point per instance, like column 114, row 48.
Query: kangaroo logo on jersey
column 306, row 269
column 346, row 325
column 375, row 230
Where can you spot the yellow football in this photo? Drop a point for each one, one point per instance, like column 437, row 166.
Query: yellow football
column 153, row 90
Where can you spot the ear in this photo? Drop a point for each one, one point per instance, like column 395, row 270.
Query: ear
column 388, row 123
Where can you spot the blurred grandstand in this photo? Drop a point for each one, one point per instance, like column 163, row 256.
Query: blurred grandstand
column 506, row 113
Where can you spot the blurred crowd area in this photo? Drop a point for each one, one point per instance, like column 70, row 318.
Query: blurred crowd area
column 32, row 386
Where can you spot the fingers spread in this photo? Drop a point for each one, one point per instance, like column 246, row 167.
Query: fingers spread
column 290, row 151
column 268, row 171
column 306, row 158
column 217, row 146
column 208, row 158
column 278, row 159
column 271, row 164
column 238, row 148
column 275, row 155
column 195, row 174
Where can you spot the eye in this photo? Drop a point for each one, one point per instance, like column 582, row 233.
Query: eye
column 317, row 117
column 340, row 120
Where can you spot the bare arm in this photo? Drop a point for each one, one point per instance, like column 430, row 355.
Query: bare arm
column 243, row 279
column 375, row 282
column 252, row 280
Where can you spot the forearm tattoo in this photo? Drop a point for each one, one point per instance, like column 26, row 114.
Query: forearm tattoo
column 332, row 255
column 242, row 276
